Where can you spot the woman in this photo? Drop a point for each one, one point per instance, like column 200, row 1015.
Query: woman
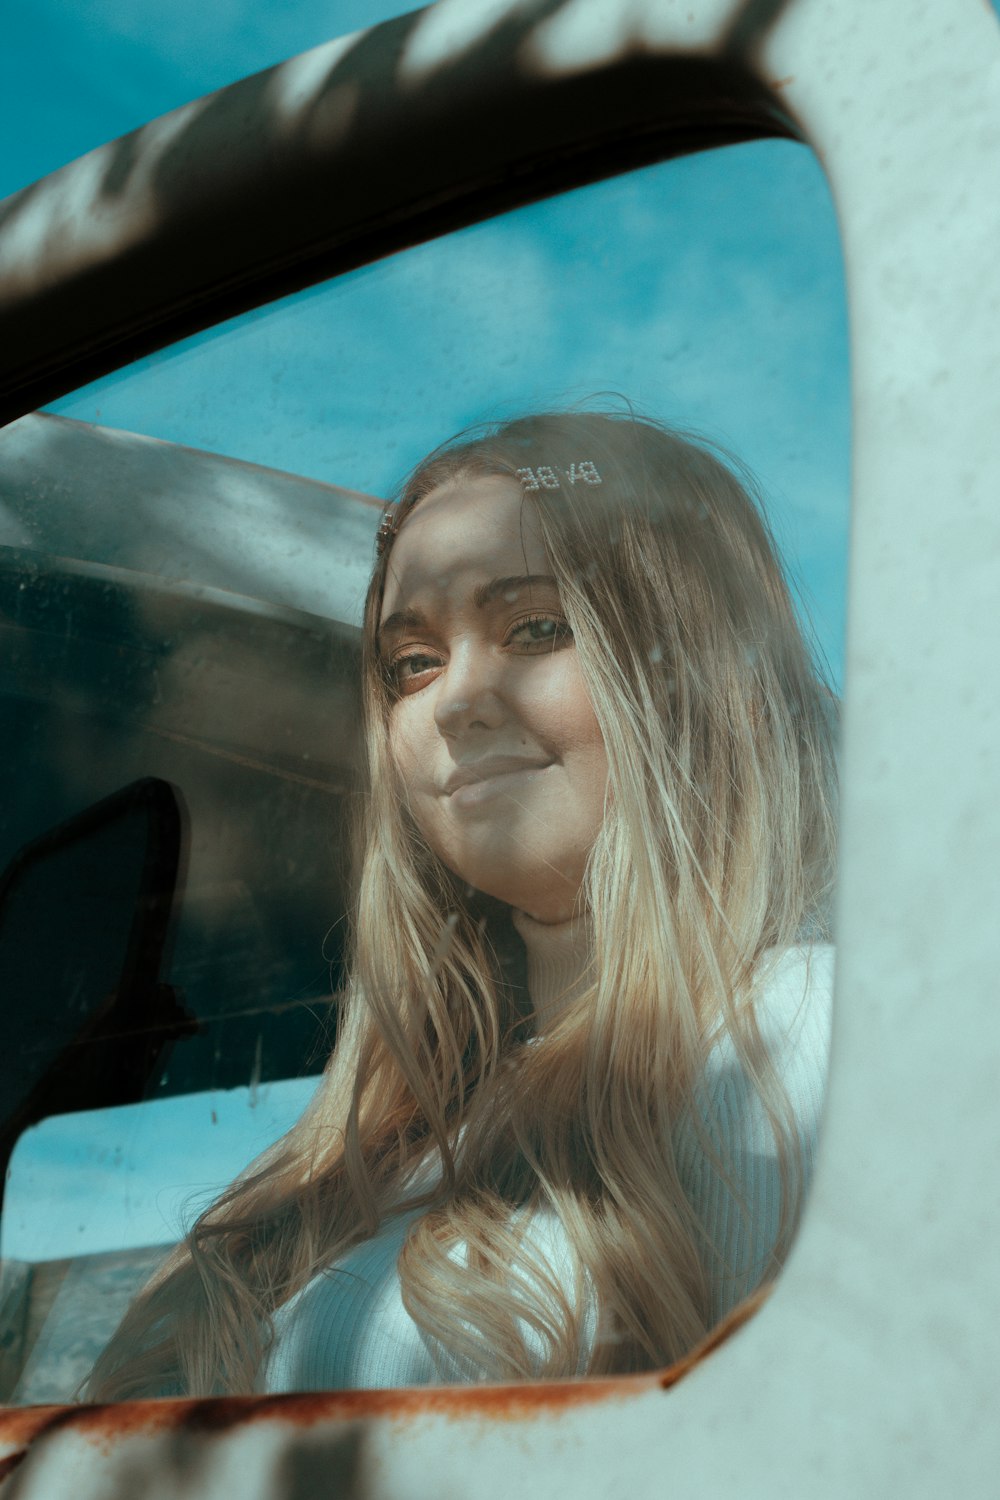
column 572, row 1107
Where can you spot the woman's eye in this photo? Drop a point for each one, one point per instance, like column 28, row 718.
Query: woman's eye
column 540, row 634
column 410, row 672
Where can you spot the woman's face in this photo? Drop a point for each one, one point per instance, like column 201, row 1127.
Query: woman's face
column 492, row 730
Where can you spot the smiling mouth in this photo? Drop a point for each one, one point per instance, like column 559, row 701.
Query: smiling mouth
column 468, row 786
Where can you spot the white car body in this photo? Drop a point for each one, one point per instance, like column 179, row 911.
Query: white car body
column 871, row 1369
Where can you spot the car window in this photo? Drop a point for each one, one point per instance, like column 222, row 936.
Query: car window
column 186, row 545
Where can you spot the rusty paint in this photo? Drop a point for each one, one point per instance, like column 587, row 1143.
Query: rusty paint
column 223, row 1413
column 18, row 1424
column 104, row 1425
column 715, row 1337
column 10, row 1463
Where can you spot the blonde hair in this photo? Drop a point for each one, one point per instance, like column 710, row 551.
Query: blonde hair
column 717, row 845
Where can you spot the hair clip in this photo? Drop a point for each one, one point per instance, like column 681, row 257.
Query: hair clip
column 386, row 529
column 546, row 477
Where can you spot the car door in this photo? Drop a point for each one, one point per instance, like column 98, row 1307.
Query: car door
column 870, row 1367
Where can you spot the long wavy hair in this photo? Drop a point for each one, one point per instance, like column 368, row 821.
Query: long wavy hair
column 717, row 845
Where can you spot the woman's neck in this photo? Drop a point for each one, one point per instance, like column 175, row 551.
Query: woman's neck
column 560, row 963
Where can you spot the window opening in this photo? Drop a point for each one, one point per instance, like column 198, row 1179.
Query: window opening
column 196, row 567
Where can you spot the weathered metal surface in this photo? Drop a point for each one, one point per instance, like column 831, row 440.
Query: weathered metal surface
column 187, row 1447
column 872, row 1369
column 197, row 1429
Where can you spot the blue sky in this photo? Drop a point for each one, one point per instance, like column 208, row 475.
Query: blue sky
column 116, row 1178
column 708, row 290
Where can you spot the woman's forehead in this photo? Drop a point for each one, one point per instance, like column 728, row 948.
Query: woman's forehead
column 460, row 536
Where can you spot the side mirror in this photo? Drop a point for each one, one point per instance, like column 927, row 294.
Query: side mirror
column 85, row 921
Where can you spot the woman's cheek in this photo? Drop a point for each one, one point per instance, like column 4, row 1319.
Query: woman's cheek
column 402, row 743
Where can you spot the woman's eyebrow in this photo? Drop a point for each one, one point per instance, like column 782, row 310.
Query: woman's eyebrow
column 482, row 595
column 487, row 592
column 401, row 619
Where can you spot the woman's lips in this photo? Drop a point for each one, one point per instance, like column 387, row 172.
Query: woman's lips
column 480, row 780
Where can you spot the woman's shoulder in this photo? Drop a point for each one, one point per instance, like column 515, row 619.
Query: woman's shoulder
column 790, row 1000
column 729, row 1157
column 792, row 997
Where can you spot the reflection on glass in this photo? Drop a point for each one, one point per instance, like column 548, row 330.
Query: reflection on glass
column 585, row 977
column 709, row 289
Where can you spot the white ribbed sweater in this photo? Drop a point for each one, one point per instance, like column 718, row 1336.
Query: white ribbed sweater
column 348, row 1328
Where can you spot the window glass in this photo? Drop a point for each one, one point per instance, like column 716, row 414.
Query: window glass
column 708, row 290
column 185, row 549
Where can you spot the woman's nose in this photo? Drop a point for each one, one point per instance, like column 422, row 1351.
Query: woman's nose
column 470, row 693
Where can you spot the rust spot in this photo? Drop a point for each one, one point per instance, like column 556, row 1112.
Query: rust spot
column 740, row 1314
column 782, row 83
column 10, row 1463
column 101, row 1424
column 217, row 1415
column 493, row 1402
column 19, row 1424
